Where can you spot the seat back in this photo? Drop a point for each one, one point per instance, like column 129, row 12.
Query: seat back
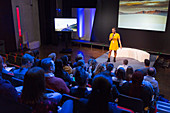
column 16, row 82
column 7, row 76
column 132, row 103
column 18, row 60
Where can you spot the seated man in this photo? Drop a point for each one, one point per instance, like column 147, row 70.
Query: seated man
column 27, row 63
column 52, row 82
column 6, row 89
column 81, row 77
column 150, row 78
column 145, row 68
column 125, row 64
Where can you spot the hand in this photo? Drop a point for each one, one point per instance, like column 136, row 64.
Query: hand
column 120, row 46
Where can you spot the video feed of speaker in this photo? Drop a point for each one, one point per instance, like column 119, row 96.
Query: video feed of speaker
column 143, row 14
column 65, row 24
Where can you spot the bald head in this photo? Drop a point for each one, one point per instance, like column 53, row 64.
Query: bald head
column 151, row 71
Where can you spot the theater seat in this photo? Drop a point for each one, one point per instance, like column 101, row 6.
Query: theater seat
column 135, row 104
column 16, row 82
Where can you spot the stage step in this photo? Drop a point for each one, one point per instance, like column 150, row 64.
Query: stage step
column 163, row 107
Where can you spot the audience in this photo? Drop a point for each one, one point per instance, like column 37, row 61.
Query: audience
column 61, row 73
column 59, row 76
column 145, row 68
column 137, row 90
column 99, row 99
column 52, row 56
column 6, row 89
column 33, row 92
column 27, row 63
column 52, row 82
column 81, row 78
column 66, row 66
column 150, row 77
column 125, row 64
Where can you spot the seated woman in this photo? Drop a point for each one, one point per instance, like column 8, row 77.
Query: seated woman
column 129, row 72
column 33, row 92
column 61, row 73
column 100, row 68
column 81, row 78
column 98, row 101
column 137, row 90
column 120, row 77
column 66, row 65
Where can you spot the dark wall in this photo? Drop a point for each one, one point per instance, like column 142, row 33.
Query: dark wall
column 107, row 17
column 47, row 12
column 7, row 32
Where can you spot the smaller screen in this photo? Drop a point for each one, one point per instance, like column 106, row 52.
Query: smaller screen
column 65, row 24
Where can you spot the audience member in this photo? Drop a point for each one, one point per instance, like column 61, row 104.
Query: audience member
column 129, row 73
column 78, row 57
column 137, row 90
column 150, row 78
column 52, row 56
column 52, row 82
column 120, row 77
column 108, row 71
column 61, row 73
column 81, row 78
column 27, row 63
column 125, row 64
column 6, row 89
column 100, row 68
column 37, row 61
column 66, row 66
column 33, row 92
column 145, row 68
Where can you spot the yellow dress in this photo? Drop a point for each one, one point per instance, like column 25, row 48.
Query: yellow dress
column 114, row 42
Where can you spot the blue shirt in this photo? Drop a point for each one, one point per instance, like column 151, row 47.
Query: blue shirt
column 20, row 73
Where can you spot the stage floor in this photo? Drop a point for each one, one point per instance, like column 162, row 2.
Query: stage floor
column 119, row 60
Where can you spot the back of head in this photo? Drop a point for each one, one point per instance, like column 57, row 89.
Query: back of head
column 65, row 60
column 99, row 98
column 81, row 63
column 100, row 68
column 147, row 62
column 110, row 66
column 29, row 52
column 58, row 67
column 34, row 85
column 137, row 78
column 27, row 58
column 120, row 74
column 52, row 56
column 151, row 71
column 81, row 76
column 125, row 62
column 46, row 64
column 135, row 89
column 140, row 71
column 36, row 53
column 129, row 72
column 79, row 57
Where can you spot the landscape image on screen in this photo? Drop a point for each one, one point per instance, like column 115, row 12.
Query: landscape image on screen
column 143, row 14
column 65, row 24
